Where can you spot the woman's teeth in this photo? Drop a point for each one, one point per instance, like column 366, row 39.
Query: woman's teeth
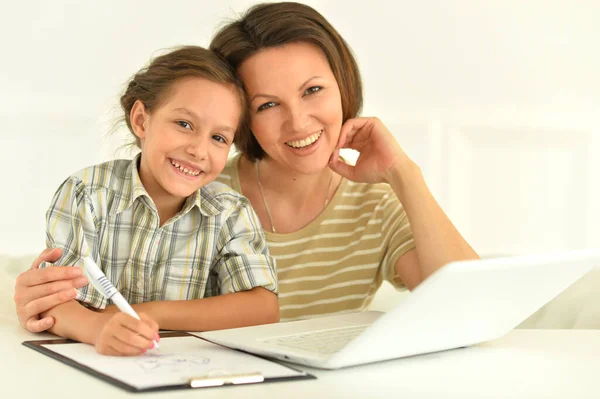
column 305, row 142
column 185, row 170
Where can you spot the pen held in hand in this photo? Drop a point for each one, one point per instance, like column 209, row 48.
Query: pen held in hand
column 106, row 288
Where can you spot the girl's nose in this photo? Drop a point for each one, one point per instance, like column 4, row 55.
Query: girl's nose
column 198, row 147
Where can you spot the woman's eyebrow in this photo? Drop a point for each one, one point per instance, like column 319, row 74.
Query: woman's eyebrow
column 269, row 96
column 308, row 80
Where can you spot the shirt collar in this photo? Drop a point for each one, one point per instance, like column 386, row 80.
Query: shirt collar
column 202, row 199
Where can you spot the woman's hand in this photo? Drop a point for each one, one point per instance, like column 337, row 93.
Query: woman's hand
column 379, row 151
column 124, row 335
column 39, row 290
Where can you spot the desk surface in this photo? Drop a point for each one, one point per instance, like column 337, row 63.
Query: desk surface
column 523, row 364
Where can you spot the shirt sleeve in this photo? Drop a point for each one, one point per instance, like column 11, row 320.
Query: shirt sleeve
column 398, row 237
column 243, row 260
column 71, row 226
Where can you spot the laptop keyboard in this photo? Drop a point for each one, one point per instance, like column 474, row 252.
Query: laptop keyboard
column 324, row 342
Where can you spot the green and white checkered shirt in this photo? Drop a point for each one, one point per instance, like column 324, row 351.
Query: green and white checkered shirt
column 213, row 246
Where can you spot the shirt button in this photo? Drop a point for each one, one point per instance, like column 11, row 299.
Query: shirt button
column 139, row 285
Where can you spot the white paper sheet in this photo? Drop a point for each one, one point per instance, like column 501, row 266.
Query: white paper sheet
column 177, row 361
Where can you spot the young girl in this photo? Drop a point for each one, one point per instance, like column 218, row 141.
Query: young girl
column 170, row 242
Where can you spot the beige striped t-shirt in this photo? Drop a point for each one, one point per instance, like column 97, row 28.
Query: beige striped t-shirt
column 337, row 262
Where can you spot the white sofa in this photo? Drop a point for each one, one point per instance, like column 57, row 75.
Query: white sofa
column 576, row 307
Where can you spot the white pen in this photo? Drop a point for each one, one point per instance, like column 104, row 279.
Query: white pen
column 106, row 288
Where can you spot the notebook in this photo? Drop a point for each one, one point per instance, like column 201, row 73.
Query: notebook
column 461, row 304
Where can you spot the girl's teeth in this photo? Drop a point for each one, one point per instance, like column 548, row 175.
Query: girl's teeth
column 184, row 170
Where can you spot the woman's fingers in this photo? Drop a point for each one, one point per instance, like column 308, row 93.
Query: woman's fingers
column 40, row 305
column 39, row 290
column 342, row 168
column 35, row 277
column 350, row 129
column 33, row 292
column 47, row 255
column 38, row 325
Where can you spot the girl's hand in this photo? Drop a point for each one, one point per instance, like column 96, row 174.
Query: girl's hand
column 379, row 151
column 124, row 335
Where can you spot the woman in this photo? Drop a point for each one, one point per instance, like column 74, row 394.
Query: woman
column 336, row 230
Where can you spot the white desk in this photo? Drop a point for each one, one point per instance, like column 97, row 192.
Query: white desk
column 523, row 364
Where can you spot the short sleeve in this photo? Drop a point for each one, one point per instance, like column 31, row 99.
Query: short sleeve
column 71, row 226
column 243, row 261
column 398, row 237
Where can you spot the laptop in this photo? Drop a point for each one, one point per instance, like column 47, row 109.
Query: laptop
column 461, row 304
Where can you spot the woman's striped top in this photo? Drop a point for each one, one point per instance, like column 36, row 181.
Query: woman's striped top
column 337, row 262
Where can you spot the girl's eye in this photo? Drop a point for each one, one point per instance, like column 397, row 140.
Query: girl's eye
column 184, row 124
column 265, row 106
column 219, row 138
column 312, row 90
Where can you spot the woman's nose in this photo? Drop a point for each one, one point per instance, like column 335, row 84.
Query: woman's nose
column 297, row 119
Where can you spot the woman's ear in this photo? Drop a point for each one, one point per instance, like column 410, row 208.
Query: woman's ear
column 139, row 119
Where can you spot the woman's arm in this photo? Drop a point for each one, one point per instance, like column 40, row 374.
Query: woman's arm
column 382, row 160
column 39, row 290
column 437, row 241
column 238, row 309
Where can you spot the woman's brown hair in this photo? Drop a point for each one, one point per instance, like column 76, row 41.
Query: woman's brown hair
column 151, row 84
column 275, row 24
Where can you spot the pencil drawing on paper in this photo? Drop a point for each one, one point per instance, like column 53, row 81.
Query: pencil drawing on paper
column 173, row 362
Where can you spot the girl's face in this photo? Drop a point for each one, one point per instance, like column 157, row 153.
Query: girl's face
column 186, row 139
column 295, row 105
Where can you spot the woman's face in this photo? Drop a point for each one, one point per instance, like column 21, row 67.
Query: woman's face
column 295, row 105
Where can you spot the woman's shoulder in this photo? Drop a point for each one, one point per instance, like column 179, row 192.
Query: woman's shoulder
column 350, row 189
column 229, row 176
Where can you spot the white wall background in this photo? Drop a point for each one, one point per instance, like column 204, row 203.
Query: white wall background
column 497, row 100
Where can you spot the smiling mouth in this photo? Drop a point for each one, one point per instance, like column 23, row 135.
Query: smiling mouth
column 185, row 170
column 307, row 142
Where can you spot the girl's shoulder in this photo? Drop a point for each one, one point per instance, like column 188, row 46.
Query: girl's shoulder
column 110, row 174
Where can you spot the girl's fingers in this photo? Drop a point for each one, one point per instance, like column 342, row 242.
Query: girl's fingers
column 138, row 326
column 115, row 347
column 132, row 339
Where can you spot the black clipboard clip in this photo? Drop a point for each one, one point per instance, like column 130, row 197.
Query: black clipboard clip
column 218, row 379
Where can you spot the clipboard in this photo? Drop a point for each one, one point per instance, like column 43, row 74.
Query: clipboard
column 184, row 361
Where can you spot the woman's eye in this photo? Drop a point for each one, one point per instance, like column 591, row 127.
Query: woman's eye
column 312, row 90
column 265, row 106
column 219, row 138
column 184, row 124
